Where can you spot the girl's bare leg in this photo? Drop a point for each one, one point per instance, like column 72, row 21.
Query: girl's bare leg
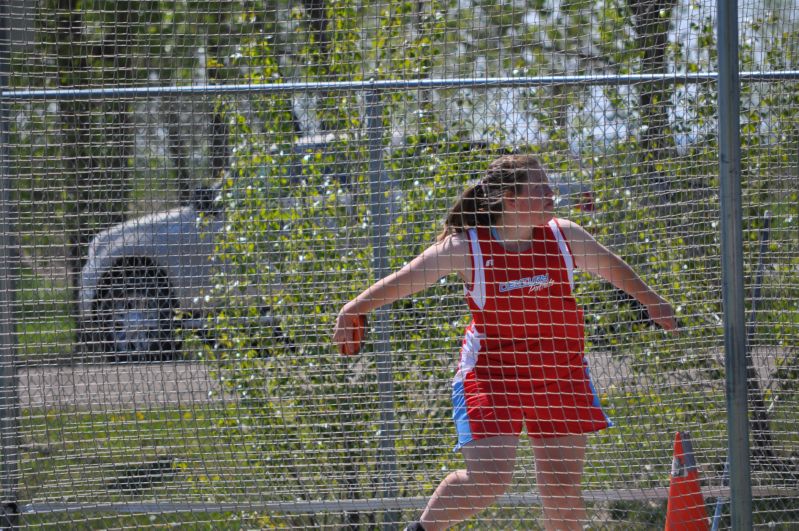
column 559, row 470
column 489, row 470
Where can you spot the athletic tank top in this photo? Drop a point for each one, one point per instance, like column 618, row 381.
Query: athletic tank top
column 525, row 320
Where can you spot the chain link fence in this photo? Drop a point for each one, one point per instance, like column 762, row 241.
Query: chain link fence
column 192, row 190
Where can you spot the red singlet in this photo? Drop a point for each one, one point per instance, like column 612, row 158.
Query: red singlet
column 522, row 360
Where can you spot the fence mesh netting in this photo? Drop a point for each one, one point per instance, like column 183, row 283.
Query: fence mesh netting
column 178, row 242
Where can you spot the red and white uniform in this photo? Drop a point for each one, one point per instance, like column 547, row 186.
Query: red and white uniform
column 522, row 360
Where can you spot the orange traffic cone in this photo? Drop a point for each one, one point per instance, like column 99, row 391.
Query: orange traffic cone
column 686, row 508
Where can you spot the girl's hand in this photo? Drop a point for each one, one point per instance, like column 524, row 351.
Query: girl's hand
column 661, row 312
column 349, row 331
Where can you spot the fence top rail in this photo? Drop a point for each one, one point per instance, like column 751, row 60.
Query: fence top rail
column 380, row 85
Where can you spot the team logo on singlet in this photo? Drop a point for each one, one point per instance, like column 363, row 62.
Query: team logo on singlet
column 536, row 283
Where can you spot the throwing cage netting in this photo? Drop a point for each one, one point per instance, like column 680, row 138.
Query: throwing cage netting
column 192, row 190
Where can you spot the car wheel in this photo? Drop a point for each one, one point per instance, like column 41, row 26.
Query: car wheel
column 135, row 316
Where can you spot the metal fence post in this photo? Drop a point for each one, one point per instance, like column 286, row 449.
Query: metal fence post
column 9, row 408
column 732, row 269
column 381, row 322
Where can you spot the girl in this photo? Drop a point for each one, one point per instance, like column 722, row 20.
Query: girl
column 521, row 362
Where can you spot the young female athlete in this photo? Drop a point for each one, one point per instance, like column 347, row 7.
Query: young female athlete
column 521, row 362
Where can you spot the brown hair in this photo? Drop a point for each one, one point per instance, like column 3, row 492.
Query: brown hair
column 481, row 205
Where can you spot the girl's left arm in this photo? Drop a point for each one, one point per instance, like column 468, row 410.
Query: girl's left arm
column 593, row 257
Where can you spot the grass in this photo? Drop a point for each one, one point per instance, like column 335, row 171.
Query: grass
column 45, row 326
column 84, row 457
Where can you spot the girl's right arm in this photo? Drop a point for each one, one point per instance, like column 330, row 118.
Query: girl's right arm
column 443, row 258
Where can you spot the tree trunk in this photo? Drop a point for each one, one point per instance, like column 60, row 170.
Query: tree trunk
column 117, row 61
column 651, row 21
column 178, row 151
column 96, row 164
column 79, row 162
column 319, row 54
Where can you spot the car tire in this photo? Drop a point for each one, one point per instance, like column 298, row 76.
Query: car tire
column 134, row 317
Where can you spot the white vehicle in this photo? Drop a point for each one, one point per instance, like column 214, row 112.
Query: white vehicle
column 139, row 273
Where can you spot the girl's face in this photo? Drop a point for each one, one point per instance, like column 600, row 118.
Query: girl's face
column 533, row 203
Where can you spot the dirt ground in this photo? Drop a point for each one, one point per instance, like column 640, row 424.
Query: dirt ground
column 106, row 387
column 117, row 386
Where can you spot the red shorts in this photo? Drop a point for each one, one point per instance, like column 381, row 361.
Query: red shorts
column 485, row 407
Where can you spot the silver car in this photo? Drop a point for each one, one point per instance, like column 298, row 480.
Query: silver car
column 150, row 276
column 139, row 273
